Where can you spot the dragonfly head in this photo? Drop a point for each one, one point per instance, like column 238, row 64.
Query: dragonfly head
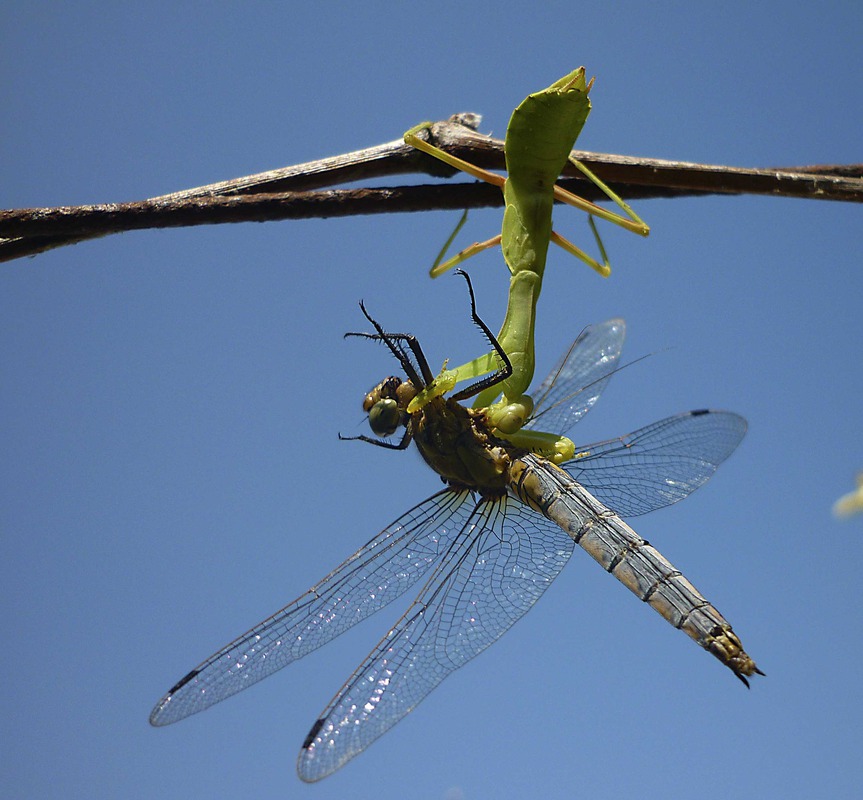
column 386, row 404
column 384, row 417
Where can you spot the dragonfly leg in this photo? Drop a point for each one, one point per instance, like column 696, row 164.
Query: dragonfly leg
column 402, row 445
column 502, row 373
column 391, row 341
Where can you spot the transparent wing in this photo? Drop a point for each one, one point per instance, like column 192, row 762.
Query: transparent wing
column 374, row 576
column 574, row 385
column 657, row 465
column 503, row 559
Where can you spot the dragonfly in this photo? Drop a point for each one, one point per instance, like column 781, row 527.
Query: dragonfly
column 485, row 547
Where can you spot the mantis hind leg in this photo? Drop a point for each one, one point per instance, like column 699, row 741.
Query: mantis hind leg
column 414, row 141
column 632, row 222
column 439, row 268
column 604, row 269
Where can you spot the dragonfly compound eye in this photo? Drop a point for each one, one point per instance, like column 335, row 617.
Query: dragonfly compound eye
column 384, row 417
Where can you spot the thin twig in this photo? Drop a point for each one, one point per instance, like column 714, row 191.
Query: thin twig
column 294, row 192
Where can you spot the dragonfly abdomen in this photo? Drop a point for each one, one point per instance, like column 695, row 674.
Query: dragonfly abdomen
column 623, row 553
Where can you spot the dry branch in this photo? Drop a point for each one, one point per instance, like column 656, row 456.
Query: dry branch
column 297, row 192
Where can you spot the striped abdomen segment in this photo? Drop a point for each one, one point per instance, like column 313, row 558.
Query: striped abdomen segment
column 635, row 563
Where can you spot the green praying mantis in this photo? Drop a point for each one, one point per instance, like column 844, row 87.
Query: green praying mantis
column 539, row 141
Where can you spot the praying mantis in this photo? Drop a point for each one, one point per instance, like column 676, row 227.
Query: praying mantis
column 539, row 141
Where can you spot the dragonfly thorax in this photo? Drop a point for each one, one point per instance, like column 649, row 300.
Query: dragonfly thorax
column 457, row 443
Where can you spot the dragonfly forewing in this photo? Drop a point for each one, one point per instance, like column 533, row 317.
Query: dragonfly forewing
column 635, row 563
column 574, row 385
column 378, row 573
column 503, row 559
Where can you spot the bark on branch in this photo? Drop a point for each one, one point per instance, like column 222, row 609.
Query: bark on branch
column 298, row 192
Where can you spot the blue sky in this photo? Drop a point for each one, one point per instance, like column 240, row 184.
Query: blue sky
column 169, row 467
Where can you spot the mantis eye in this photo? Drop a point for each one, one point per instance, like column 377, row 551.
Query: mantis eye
column 384, row 417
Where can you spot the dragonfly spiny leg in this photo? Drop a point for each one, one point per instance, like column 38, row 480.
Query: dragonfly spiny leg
column 391, row 340
column 402, row 445
column 495, row 377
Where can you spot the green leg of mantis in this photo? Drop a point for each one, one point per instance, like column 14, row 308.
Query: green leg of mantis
column 539, row 141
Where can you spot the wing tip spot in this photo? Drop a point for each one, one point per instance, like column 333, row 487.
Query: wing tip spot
column 182, row 682
column 313, row 734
